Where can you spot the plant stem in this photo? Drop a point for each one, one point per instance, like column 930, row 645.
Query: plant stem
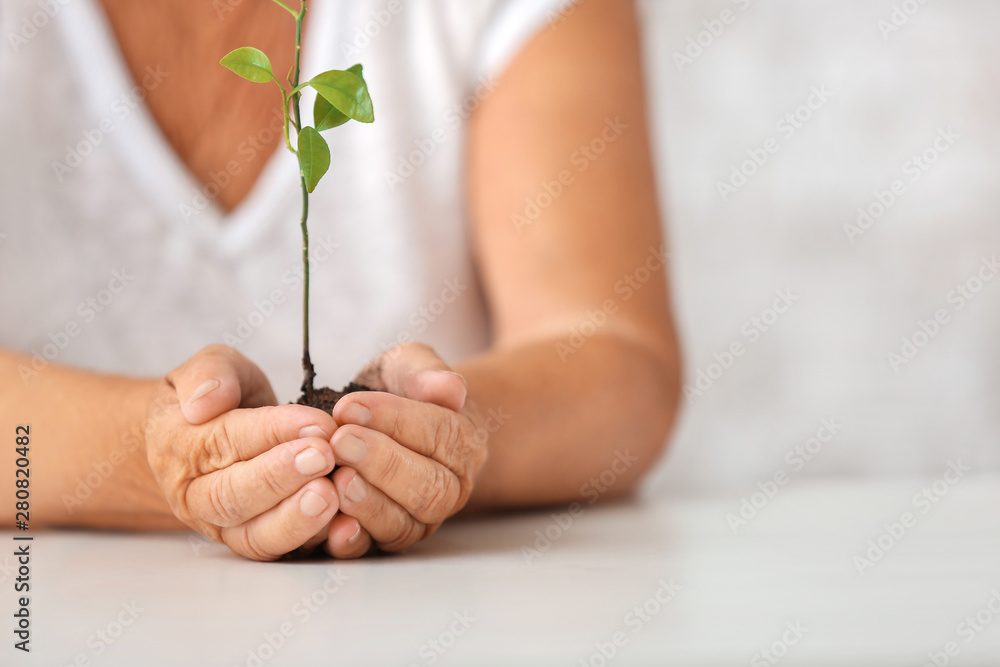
column 309, row 372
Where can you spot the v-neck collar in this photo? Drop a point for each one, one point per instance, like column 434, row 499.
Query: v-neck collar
column 149, row 158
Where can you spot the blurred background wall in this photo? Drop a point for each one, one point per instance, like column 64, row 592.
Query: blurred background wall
column 830, row 178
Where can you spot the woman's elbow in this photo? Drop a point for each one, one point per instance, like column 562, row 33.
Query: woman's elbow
column 649, row 418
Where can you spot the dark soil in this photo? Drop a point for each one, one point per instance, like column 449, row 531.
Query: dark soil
column 325, row 398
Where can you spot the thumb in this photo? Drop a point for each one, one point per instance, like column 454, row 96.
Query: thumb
column 415, row 371
column 218, row 379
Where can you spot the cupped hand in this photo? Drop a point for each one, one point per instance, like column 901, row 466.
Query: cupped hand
column 233, row 465
column 409, row 452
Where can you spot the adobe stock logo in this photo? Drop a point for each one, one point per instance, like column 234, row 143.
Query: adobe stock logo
column 86, row 311
column 752, row 329
column 796, row 458
column 923, row 501
column 900, row 16
column 30, row 25
column 699, row 43
column 926, row 330
column 794, row 632
column 914, row 168
column 123, row 107
column 787, row 127
column 635, row 620
column 433, row 649
column 967, row 630
column 626, row 288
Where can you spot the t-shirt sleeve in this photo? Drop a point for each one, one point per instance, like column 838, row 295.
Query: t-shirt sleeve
column 510, row 25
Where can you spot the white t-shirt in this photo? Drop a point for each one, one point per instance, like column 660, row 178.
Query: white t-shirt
column 114, row 259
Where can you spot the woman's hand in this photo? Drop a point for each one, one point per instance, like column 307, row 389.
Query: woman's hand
column 232, row 465
column 409, row 452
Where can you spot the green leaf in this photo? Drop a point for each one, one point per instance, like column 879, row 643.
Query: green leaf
column 250, row 63
column 325, row 114
column 347, row 92
column 314, row 156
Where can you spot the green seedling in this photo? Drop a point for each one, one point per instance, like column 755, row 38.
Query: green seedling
column 341, row 96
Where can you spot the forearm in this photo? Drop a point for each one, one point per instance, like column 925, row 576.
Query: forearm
column 558, row 432
column 87, row 450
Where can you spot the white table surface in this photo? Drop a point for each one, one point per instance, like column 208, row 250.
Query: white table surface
column 200, row 605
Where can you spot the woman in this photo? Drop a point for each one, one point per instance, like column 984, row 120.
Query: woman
column 501, row 209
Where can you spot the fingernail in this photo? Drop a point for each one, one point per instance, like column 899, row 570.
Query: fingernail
column 206, row 387
column 458, row 375
column 355, row 413
column 351, row 449
column 357, row 490
column 312, row 504
column 309, row 462
column 465, row 394
column 313, row 432
column 357, row 533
